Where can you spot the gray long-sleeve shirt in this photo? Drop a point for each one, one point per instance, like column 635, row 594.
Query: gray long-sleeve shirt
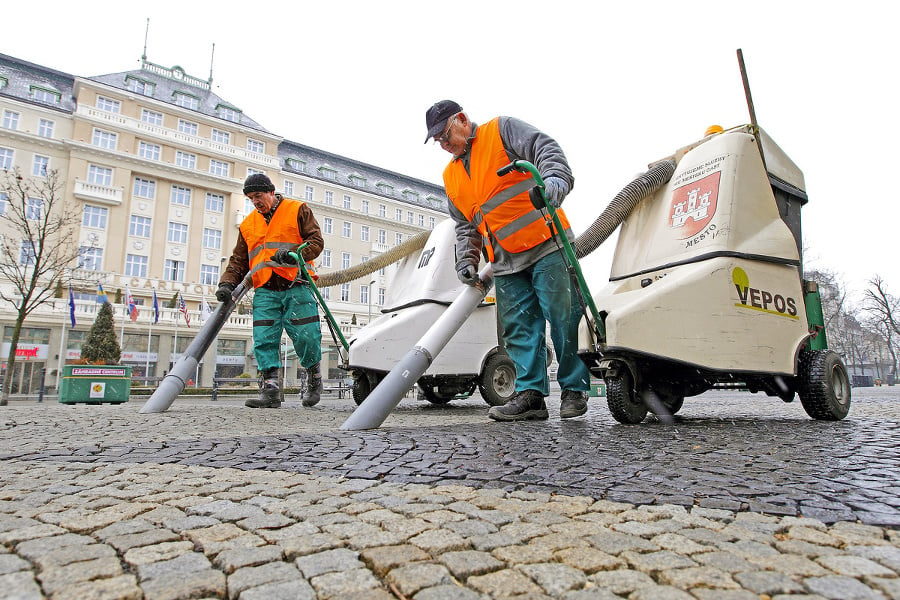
column 521, row 142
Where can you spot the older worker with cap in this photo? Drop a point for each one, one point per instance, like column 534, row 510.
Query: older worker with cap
column 283, row 300
column 502, row 217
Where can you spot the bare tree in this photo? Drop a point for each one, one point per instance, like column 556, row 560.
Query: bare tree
column 884, row 312
column 38, row 245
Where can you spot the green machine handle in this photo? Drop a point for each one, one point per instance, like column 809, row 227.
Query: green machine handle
column 315, row 289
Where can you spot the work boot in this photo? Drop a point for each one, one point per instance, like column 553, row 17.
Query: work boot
column 269, row 391
column 527, row 405
column 313, row 386
column 574, row 404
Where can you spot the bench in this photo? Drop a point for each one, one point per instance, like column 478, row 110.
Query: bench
column 336, row 385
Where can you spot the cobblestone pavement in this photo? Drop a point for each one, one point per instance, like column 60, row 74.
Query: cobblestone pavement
column 743, row 497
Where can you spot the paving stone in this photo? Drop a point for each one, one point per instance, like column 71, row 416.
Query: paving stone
column 889, row 556
column 413, row 577
column 123, row 543
column 660, row 592
column 382, row 559
column 652, row 562
column 123, row 587
column 854, row 566
column 20, row 586
column 841, row 588
column 33, row 549
column 198, row 584
column 768, row 582
column 252, row 577
column 447, row 592
column 555, row 579
column 55, row 579
column 145, row 555
column 226, row 510
column 230, row 561
column 10, row 563
column 356, row 581
column 588, row 560
column 704, row 594
column 291, row 531
column 297, row 589
column 789, row 565
column 613, row 542
column 42, row 530
column 724, row 561
column 516, row 554
column 806, row 549
column 621, row 581
column 697, row 577
column 338, row 559
column 301, row 546
column 174, row 568
column 466, row 563
column 437, row 541
column 508, row 582
column 72, row 554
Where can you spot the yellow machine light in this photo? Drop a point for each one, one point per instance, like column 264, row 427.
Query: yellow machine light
column 713, row 129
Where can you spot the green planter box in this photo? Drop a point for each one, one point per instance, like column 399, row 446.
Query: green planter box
column 598, row 389
column 95, row 384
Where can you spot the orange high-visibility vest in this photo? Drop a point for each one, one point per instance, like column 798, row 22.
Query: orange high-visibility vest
column 499, row 205
column 264, row 239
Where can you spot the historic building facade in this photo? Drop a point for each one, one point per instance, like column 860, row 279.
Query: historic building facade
column 154, row 162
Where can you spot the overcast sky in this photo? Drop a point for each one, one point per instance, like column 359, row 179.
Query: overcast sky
column 618, row 86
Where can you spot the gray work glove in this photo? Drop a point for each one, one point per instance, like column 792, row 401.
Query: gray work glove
column 468, row 275
column 556, row 189
column 223, row 294
column 284, row 257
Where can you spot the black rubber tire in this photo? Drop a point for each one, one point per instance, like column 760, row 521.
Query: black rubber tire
column 432, row 395
column 824, row 385
column 497, row 383
column 626, row 407
column 673, row 403
column 362, row 387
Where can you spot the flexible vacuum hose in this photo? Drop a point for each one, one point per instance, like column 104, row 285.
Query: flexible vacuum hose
column 417, row 242
column 620, row 207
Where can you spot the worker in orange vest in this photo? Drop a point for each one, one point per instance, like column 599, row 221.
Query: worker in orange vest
column 503, row 218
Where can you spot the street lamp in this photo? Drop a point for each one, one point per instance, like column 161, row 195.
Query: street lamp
column 370, row 300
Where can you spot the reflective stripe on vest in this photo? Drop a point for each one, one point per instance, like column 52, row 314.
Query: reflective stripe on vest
column 264, row 239
column 497, row 205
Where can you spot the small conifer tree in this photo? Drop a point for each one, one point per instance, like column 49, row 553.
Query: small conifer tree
column 101, row 346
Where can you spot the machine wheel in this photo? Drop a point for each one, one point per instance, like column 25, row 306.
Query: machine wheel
column 824, row 385
column 497, row 383
column 433, row 395
column 363, row 384
column 626, row 406
column 673, row 403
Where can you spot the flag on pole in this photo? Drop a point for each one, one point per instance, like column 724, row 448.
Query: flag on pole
column 101, row 295
column 71, row 307
column 155, row 309
column 205, row 310
column 131, row 307
column 183, row 308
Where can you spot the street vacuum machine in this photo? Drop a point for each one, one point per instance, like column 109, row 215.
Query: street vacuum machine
column 706, row 288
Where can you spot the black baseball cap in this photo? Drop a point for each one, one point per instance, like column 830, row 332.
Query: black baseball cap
column 436, row 116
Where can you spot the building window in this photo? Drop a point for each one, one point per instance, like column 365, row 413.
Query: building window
column 309, row 192
column 40, row 166
column 149, row 151
column 421, row 220
column 94, row 216
column 345, row 260
column 347, row 231
column 289, row 189
column 105, row 139
column 398, row 239
column 139, row 86
column 364, row 233
column 212, row 238
column 410, row 196
column 431, row 222
column 398, row 214
column 256, row 146
column 329, row 197
column 181, row 195
column 144, row 188
column 229, row 114
column 45, row 128
column 139, row 226
column 10, row 119
column 215, row 202
column 99, row 175
column 357, row 181
column 296, row 164
column 326, row 258
column 90, row 258
column 327, row 173
column 209, row 274
column 327, row 225
column 186, row 101
column 382, row 211
column 135, row 265
column 108, row 104
column 364, row 294
column 42, row 95
column 4, row 201
column 220, row 137
column 346, row 201
column 252, row 171
column 6, row 158
column 382, row 236
column 218, row 167
column 385, row 189
column 188, row 127
column 185, row 159
column 26, row 253
column 380, row 296
column 34, row 209
column 326, row 293
column 151, row 116
column 177, row 233
column 410, row 218
column 345, row 292
column 173, row 270
column 364, row 207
